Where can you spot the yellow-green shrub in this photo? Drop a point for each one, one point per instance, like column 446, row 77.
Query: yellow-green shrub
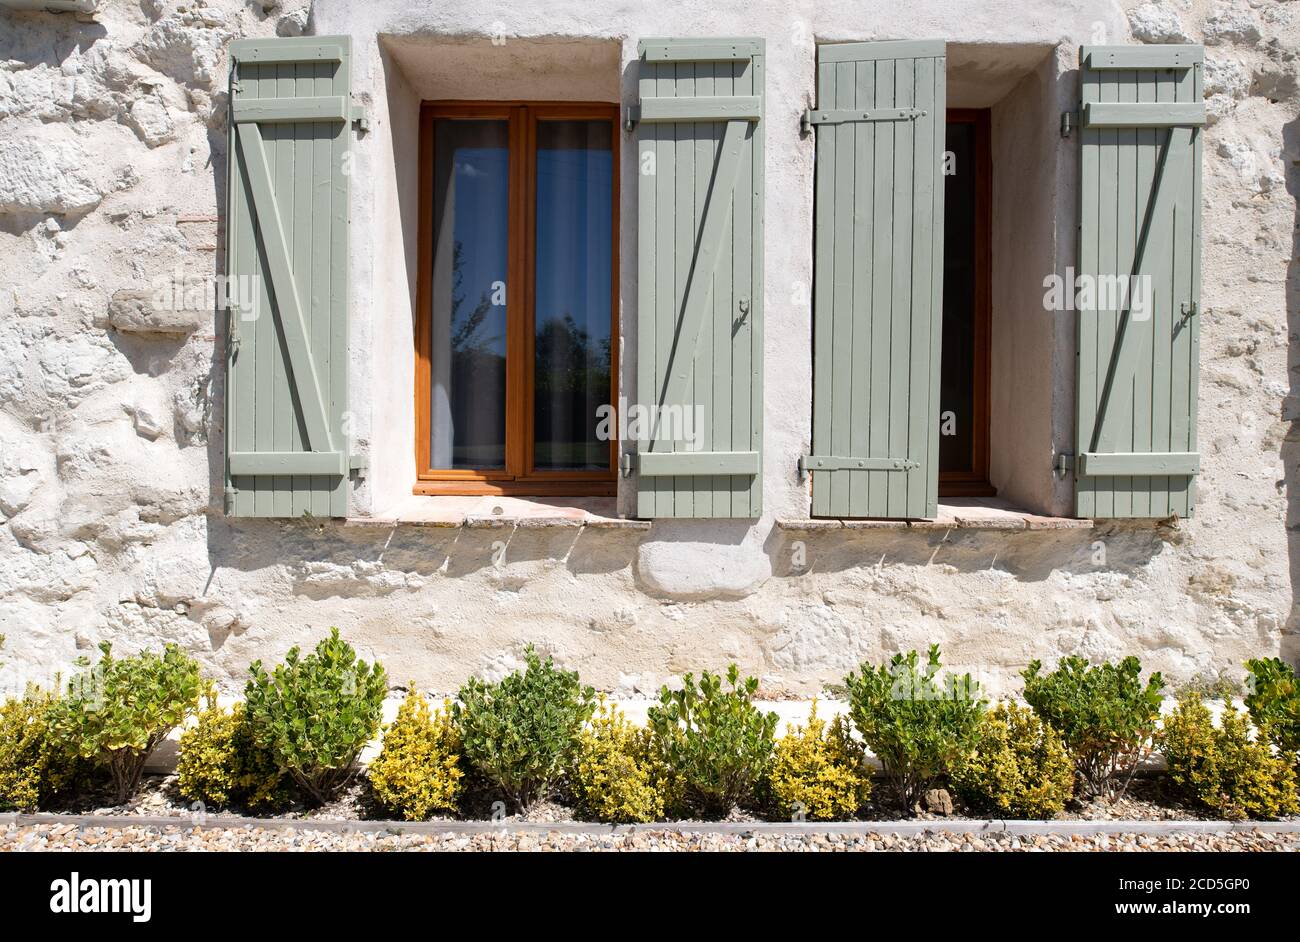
column 32, row 765
column 616, row 776
column 418, row 770
column 819, row 772
column 1222, row 768
column 221, row 763
column 1019, row 767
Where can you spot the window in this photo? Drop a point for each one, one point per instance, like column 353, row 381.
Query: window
column 516, row 359
column 967, row 269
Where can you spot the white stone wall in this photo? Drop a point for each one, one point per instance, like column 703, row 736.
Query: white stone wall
column 112, row 173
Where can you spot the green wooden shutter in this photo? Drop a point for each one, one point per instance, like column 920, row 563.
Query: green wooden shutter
column 700, row 294
column 877, row 279
column 1139, row 127
column 287, row 250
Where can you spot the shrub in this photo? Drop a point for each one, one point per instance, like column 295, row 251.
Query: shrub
column 1222, row 768
column 1019, row 768
column 717, row 744
column 522, row 733
column 819, row 773
column 917, row 726
column 116, row 714
column 1105, row 714
column 33, row 765
column 315, row 714
column 418, row 769
column 1274, row 704
column 221, row 762
column 616, row 776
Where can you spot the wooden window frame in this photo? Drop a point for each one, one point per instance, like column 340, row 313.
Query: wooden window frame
column 975, row 482
column 519, row 477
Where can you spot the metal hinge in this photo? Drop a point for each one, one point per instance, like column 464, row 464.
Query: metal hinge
column 626, row 463
column 358, row 465
column 814, row 116
column 361, row 119
column 230, row 499
column 630, row 117
column 1068, row 120
column 1063, row 465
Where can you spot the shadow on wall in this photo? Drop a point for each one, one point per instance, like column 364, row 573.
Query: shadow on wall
column 1291, row 410
column 1028, row 556
column 325, row 559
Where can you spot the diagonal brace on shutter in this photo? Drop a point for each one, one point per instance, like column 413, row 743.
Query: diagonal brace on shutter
column 289, row 313
column 1125, row 356
column 699, row 284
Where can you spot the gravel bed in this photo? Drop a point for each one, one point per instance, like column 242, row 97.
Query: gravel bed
column 129, row 837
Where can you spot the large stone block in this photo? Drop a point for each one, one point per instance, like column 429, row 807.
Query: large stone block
column 140, row 311
column 39, row 174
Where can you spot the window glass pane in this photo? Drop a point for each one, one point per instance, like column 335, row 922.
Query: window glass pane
column 573, row 288
column 468, row 356
column 957, row 375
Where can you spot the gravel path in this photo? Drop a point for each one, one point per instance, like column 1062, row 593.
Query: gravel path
column 133, row 837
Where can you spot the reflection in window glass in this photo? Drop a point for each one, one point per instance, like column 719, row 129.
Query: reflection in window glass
column 468, row 356
column 573, row 287
column 957, row 375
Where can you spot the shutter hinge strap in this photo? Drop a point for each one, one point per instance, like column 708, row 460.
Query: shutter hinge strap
column 835, row 463
column 812, row 116
column 358, row 465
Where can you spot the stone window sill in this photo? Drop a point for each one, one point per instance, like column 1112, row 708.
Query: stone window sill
column 491, row 513
column 954, row 514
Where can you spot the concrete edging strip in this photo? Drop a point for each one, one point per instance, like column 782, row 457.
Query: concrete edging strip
column 851, row 828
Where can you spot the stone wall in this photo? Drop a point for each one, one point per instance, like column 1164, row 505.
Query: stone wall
column 112, row 174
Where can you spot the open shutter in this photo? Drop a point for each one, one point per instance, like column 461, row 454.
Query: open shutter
column 1139, row 280
column 287, row 251
column 877, row 279
column 700, row 295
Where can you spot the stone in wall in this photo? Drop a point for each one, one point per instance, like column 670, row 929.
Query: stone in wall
column 139, row 311
column 1157, row 23
column 45, row 173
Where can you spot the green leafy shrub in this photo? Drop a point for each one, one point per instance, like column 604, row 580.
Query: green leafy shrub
column 1274, row 704
column 316, row 713
column 1019, row 767
column 1105, row 714
column 221, row 762
column 34, row 766
column 616, row 777
column 819, row 773
column 918, row 726
column 716, row 742
column 522, row 733
column 116, row 714
column 418, row 769
column 1222, row 768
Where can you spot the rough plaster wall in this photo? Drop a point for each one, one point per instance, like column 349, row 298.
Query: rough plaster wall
column 112, row 169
